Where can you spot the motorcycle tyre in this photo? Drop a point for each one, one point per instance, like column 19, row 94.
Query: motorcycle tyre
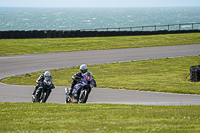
column 39, row 94
column 83, row 96
column 33, row 100
column 67, row 100
column 45, row 96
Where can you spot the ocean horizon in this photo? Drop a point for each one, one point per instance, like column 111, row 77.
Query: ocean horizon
column 15, row 18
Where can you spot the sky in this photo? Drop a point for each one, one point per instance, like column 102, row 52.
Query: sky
column 98, row 3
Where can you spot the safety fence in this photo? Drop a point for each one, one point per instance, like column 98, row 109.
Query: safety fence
column 185, row 26
column 102, row 32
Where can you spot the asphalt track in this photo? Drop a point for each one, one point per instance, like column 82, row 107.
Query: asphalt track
column 22, row 64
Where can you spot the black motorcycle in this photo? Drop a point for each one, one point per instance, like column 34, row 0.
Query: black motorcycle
column 43, row 92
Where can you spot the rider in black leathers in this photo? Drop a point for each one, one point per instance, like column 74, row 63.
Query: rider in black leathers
column 78, row 76
column 40, row 80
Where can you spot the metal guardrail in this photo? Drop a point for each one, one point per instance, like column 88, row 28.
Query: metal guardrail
column 153, row 28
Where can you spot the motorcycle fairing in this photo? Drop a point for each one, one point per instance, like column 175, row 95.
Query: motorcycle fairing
column 76, row 88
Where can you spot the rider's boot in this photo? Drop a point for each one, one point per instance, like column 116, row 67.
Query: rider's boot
column 35, row 89
column 70, row 91
column 72, row 86
column 37, row 94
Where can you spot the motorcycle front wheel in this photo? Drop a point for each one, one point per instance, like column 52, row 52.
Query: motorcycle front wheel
column 43, row 97
column 83, row 96
column 39, row 94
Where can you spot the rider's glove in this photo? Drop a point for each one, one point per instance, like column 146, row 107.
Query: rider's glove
column 51, row 86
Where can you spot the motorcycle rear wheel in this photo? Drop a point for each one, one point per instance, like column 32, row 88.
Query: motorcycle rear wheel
column 67, row 100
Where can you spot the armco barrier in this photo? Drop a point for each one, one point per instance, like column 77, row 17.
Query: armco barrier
column 78, row 33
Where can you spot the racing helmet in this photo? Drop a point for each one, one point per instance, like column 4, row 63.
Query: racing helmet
column 83, row 68
column 47, row 74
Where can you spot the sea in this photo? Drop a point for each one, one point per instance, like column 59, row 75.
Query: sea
column 15, row 18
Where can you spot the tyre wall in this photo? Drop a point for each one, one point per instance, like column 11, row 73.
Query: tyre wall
column 195, row 73
column 71, row 34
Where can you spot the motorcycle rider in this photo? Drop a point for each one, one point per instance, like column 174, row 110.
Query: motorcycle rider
column 78, row 76
column 41, row 78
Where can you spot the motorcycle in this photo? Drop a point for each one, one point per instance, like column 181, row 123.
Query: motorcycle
column 81, row 90
column 43, row 92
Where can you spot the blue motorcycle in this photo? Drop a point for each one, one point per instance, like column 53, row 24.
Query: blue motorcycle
column 81, row 90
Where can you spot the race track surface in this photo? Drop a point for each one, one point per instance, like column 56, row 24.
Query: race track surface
column 21, row 64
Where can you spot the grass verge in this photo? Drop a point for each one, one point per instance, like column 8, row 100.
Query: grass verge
column 47, row 45
column 160, row 75
column 164, row 75
column 28, row 117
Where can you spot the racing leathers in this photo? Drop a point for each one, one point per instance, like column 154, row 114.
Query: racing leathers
column 39, row 81
column 76, row 79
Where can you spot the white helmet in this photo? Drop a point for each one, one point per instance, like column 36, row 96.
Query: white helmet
column 47, row 74
column 83, row 68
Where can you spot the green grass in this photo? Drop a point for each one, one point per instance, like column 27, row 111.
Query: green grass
column 47, row 45
column 110, row 118
column 160, row 75
column 164, row 75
